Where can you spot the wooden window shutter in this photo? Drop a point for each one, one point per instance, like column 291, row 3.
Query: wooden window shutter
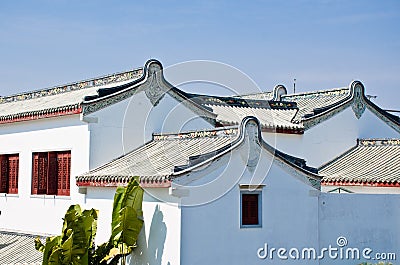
column 35, row 173
column 52, row 174
column 3, row 173
column 250, row 209
column 43, row 168
column 64, row 172
column 13, row 168
column 40, row 173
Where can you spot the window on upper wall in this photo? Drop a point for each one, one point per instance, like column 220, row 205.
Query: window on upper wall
column 9, row 170
column 51, row 173
column 250, row 208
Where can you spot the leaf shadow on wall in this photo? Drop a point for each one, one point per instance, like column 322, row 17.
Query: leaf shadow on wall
column 151, row 253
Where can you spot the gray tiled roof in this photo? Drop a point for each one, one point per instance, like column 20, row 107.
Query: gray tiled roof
column 19, row 248
column 311, row 103
column 274, row 95
column 372, row 161
column 269, row 118
column 167, row 156
column 275, row 115
column 64, row 98
column 304, row 106
column 159, row 158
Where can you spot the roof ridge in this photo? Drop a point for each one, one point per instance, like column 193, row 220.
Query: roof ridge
column 77, row 85
column 206, row 133
column 253, row 93
column 241, row 102
column 378, row 142
column 322, row 91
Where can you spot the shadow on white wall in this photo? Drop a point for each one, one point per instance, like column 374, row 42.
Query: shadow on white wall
column 151, row 253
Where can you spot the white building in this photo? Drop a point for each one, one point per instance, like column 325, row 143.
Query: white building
column 214, row 194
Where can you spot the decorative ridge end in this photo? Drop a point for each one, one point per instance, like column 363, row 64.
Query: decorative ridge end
column 151, row 61
column 153, row 65
column 354, row 84
column 246, row 124
column 279, row 90
column 355, row 87
column 246, row 119
column 357, row 92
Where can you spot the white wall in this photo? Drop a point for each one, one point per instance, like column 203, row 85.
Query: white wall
column 294, row 216
column 366, row 221
column 159, row 240
column 211, row 232
column 130, row 123
column 41, row 213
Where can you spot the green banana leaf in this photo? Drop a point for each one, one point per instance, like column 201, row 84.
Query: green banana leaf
column 51, row 246
column 117, row 206
column 74, row 246
column 55, row 256
column 127, row 221
column 127, row 217
column 77, row 238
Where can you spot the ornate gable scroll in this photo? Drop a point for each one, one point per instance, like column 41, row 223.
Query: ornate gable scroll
column 153, row 90
column 358, row 105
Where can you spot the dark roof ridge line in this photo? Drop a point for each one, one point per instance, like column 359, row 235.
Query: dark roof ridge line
column 321, row 91
column 104, row 93
column 393, row 121
column 126, row 90
column 198, row 133
column 347, row 152
column 200, row 160
column 70, row 86
column 364, row 142
column 275, row 92
column 239, row 140
column 327, row 109
column 244, row 102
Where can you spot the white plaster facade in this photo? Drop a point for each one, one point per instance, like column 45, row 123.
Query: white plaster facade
column 334, row 136
column 293, row 213
column 26, row 212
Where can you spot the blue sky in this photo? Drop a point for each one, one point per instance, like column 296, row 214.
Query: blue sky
column 323, row 44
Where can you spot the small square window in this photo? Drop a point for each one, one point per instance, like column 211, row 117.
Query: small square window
column 250, row 209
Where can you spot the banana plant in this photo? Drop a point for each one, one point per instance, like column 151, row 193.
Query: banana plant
column 77, row 238
column 75, row 245
column 127, row 222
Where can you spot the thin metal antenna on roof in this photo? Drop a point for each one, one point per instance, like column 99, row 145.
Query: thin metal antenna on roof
column 294, row 86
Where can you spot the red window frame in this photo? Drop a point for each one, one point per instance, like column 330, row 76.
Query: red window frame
column 51, row 173
column 9, row 173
